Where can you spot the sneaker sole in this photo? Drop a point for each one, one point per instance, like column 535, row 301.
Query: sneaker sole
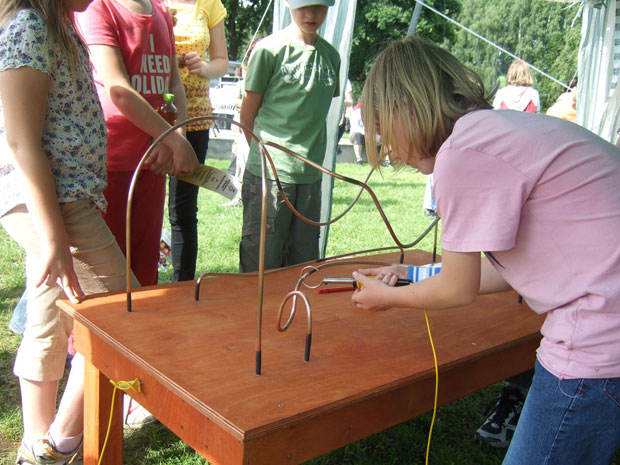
column 496, row 443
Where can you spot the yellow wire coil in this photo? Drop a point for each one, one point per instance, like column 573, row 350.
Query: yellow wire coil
column 136, row 386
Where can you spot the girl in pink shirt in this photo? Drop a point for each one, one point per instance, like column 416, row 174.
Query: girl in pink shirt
column 539, row 196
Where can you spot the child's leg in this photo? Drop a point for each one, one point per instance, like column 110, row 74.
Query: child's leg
column 182, row 211
column 41, row 356
column 100, row 267
column 357, row 149
column 69, row 421
column 566, row 422
column 38, row 407
column 278, row 223
column 303, row 240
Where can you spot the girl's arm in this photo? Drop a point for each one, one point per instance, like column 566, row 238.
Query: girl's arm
column 110, row 67
column 218, row 56
column 458, row 284
column 178, row 89
column 24, row 99
column 490, row 279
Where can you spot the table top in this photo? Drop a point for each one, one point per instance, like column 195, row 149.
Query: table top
column 204, row 351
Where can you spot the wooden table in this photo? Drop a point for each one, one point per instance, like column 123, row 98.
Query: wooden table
column 367, row 370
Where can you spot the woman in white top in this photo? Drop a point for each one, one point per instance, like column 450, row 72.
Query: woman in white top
column 518, row 94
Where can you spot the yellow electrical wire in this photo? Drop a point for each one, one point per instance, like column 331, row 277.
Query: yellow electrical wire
column 134, row 385
column 430, row 431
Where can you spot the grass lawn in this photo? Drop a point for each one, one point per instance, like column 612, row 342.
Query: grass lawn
column 401, row 194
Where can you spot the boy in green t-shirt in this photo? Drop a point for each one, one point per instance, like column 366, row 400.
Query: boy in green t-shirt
column 290, row 82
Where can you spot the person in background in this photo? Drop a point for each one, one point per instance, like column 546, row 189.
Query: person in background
column 291, row 80
column 199, row 29
column 430, row 204
column 53, row 159
column 347, row 104
column 357, row 133
column 539, row 197
column 565, row 106
column 518, row 94
column 239, row 147
column 131, row 44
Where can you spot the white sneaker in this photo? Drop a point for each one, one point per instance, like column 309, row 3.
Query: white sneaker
column 235, row 202
column 134, row 415
column 43, row 452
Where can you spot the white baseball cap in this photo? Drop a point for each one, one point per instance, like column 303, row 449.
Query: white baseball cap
column 294, row 4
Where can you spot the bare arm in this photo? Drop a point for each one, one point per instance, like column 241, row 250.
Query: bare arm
column 490, row 279
column 458, row 284
column 112, row 72
column 249, row 109
column 24, row 99
column 348, row 98
column 218, row 56
column 178, row 89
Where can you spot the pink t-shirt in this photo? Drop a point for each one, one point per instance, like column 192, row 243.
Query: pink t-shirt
column 542, row 195
column 146, row 43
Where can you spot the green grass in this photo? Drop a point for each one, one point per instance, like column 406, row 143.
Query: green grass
column 400, row 194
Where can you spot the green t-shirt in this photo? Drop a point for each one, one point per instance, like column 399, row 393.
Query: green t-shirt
column 297, row 82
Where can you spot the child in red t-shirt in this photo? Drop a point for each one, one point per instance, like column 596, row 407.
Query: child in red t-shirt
column 134, row 57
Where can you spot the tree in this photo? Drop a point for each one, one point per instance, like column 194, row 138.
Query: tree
column 539, row 31
column 242, row 18
column 379, row 22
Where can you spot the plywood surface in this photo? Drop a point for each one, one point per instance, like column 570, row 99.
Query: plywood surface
column 204, row 352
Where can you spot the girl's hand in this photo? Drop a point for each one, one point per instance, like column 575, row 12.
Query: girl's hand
column 185, row 161
column 183, row 156
column 57, row 268
column 160, row 160
column 373, row 293
column 193, row 62
column 388, row 274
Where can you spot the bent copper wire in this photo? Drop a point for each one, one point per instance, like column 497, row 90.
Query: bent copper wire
column 265, row 158
column 214, row 274
column 134, row 180
column 297, row 293
column 393, row 247
column 363, row 185
column 312, row 269
column 281, row 328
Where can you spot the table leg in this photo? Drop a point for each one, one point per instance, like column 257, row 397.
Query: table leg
column 97, row 405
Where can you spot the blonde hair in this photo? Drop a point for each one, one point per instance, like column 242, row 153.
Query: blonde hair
column 519, row 74
column 55, row 18
column 424, row 85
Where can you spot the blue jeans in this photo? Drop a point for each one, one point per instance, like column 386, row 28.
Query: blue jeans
column 570, row 421
column 18, row 319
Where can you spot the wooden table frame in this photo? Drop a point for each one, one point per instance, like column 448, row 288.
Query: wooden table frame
column 367, row 371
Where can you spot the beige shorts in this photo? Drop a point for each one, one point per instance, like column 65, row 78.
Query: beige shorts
column 99, row 265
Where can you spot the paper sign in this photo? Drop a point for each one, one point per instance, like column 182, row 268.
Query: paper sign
column 213, row 179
